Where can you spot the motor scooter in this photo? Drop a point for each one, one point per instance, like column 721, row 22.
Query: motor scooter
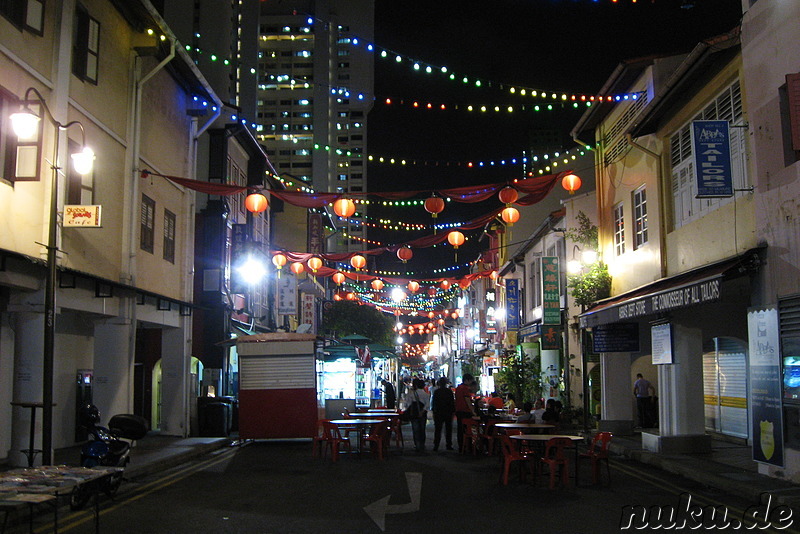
column 107, row 447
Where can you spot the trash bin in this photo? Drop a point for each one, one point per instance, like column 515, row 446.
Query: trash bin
column 214, row 416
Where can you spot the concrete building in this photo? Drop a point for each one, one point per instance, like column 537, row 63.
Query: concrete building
column 123, row 288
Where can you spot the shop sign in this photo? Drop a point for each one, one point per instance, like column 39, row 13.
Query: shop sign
column 551, row 337
column 530, row 330
column 712, row 155
column 615, row 337
column 315, row 233
column 308, row 311
column 512, row 304
column 661, row 343
column 287, row 295
column 82, row 216
column 765, row 385
column 551, row 295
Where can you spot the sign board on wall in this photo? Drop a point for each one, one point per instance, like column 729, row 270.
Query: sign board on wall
column 82, row 216
column 615, row 337
column 763, row 330
column 661, row 342
column 287, row 295
column 551, row 295
column 711, row 143
column 512, row 304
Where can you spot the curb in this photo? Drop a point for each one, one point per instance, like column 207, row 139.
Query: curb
column 134, row 471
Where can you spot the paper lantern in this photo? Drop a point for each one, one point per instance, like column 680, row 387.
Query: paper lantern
column 508, row 195
column 434, row 205
column 279, row 260
column 440, row 321
column 430, row 315
column 510, row 215
column 358, row 262
column 454, row 315
column 571, row 183
column 445, row 284
column 493, row 275
column 405, row 253
column 337, row 296
column 432, row 291
column 344, row 207
column 350, row 296
column 256, row 203
column 297, row 267
column 455, row 238
column 413, row 286
column 338, row 278
column 377, row 284
column 314, row 263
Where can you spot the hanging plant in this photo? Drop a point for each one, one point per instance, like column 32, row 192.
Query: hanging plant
column 595, row 283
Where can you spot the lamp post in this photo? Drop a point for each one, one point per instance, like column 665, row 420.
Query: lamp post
column 25, row 123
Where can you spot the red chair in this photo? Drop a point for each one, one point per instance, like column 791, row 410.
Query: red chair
column 472, row 435
column 555, row 458
column 320, row 439
column 511, row 454
column 489, row 436
column 378, row 438
column 397, row 428
column 596, row 455
column 335, row 440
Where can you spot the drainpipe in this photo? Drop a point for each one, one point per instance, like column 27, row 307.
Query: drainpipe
column 662, row 216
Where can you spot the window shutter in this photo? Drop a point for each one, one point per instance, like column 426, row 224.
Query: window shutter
column 793, row 91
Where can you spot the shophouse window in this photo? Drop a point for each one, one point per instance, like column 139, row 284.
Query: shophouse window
column 147, row 224
column 19, row 158
column 726, row 106
column 790, row 118
column 85, row 46
column 169, row 236
column 80, row 187
column 639, row 217
column 619, row 229
column 24, row 14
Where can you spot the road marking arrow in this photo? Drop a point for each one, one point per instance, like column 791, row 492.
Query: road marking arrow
column 378, row 510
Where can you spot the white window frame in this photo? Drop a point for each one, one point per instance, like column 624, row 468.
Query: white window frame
column 619, row 229
column 639, row 198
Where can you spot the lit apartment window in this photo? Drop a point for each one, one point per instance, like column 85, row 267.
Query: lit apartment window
column 169, row 236
column 80, row 187
column 147, row 224
column 619, row 230
column 24, row 14
column 19, row 157
column 85, row 46
column 639, row 217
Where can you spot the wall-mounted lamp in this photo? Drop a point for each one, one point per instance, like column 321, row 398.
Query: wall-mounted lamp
column 587, row 257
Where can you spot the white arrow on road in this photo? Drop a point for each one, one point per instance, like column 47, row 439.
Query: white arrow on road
column 378, row 510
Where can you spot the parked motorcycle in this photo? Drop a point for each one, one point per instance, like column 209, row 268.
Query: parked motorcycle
column 107, row 447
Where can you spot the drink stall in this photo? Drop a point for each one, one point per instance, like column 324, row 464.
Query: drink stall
column 277, row 386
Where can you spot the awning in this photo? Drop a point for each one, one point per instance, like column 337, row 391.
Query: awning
column 698, row 286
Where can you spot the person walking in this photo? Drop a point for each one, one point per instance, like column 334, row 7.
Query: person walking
column 465, row 408
column 444, row 407
column 644, row 391
column 389, row 394
column 417, row 396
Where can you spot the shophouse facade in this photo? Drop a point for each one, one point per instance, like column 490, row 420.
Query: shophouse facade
column 123, row 288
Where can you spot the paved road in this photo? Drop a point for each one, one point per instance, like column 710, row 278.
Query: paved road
column 277, row 487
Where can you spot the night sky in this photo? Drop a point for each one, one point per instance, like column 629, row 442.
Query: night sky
column 556, row 45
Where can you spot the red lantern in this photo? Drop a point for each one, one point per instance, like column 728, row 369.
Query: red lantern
column 493, row 275
column 256, row 203
column 279, row 260
column 358, row 262
column 434, row 205
column 571, row 183
column 430, row 315
column 455, row 238
column 350, row 296
column 337, row 296
column 338, row 278
column 454, row 315
column 314, row 263
column 405, row 253
column 440, row 321
column 432, row 292
column 377, row 284
column 510, row 215
column 508, row 195
column 344, row 207
column 445, row 284
column 297, row 267
column 413, row 286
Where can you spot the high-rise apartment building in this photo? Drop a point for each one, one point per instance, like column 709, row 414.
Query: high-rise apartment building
column 315, row 88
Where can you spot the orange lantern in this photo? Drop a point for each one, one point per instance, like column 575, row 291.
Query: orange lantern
column 432, row 291
column 445, row 284
column 434, row 205
column 256, row 203
column 297, row 267
column 279, row 260
column 508, row 195
column 571, row 183
column 338, row 278
column 337, row 296
column 405, row 253
column 344, row 207
column 358, row 262
column 510, row 215
column 314, row 263
column 440, row 321
column 454, row 315
column 493, row 275
column 413, row 286
column 430, row 315
column 350, row 296
column 377, row 284
column 455, row 238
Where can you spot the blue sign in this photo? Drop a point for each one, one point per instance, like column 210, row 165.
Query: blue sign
column 512, row 304
column 712, row 157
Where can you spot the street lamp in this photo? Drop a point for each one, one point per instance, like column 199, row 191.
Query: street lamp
column 25, row 123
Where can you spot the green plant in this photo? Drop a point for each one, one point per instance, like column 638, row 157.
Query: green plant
column 520, row 375
column 595, row 283
column 345, row 318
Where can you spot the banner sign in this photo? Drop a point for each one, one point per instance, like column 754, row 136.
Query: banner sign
column 512, row 304
column 315, row 233
column 82, row 216
column 551, row 296
column 661, row 342
column 308, row 313
column 712, row 156
column 615, row 337
column 287, row 295
column 763, row 330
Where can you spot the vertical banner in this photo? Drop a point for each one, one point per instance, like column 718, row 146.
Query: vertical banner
column 711, row 143
column 763, row 330
column 551, row 295
column 315, row 233
column 512, row 304
column 308, row 310
column 287, row 295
